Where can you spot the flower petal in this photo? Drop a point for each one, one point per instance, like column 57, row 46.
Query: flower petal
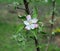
column 26, row 22
column 36, row 25
column 32, row 26
column 27, row 28
column 28, row 17
column 34, row 20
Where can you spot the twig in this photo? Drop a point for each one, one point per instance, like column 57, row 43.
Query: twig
column 36, row 44
column 20, row 8
column 52, row 19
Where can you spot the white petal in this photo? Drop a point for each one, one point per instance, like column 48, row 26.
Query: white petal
column 34, row 20
column 32, row 26
column 26, row 22
column 27, row 28
column 28, row 17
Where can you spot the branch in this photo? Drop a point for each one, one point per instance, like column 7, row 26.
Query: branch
column 26, row 7
column 52, row 19
column 36, row 44
column 28, row 12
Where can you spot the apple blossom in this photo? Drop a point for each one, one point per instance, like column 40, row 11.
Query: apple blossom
column 30, row 23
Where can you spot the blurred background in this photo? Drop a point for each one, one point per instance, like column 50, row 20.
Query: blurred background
column 9, row 22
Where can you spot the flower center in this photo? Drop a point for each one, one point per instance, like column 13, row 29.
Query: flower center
column 30, row 22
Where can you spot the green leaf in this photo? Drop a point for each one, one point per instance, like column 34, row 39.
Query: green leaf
column 43, row 32
column 19, row 28
column 40, row 29
column 21, row 17
column 35, row 13
column 34, row 32
column 50, row 21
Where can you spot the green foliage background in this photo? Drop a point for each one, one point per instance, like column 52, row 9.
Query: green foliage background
column 8, row 28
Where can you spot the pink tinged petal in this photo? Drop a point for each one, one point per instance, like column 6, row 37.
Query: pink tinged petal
column 28, row 17
column 27, row 28
column 36, row 25
column 26, row 22
column 34, row 20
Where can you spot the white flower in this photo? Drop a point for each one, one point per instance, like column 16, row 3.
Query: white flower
column 30, row 23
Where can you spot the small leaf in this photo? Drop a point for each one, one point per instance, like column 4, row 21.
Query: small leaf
column 53, row 33
column 19, row 28
column 34, row 14
column 51, row 22
column 34, row 32
column 40, row 29
column 21, row 17
column 43, row 32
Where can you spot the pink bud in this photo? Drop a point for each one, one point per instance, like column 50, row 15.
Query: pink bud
column 28, row 17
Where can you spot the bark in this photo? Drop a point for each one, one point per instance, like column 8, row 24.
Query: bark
column 26, row 6
column 28, row 12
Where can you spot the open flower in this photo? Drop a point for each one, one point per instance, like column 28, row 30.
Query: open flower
column 30, row 23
